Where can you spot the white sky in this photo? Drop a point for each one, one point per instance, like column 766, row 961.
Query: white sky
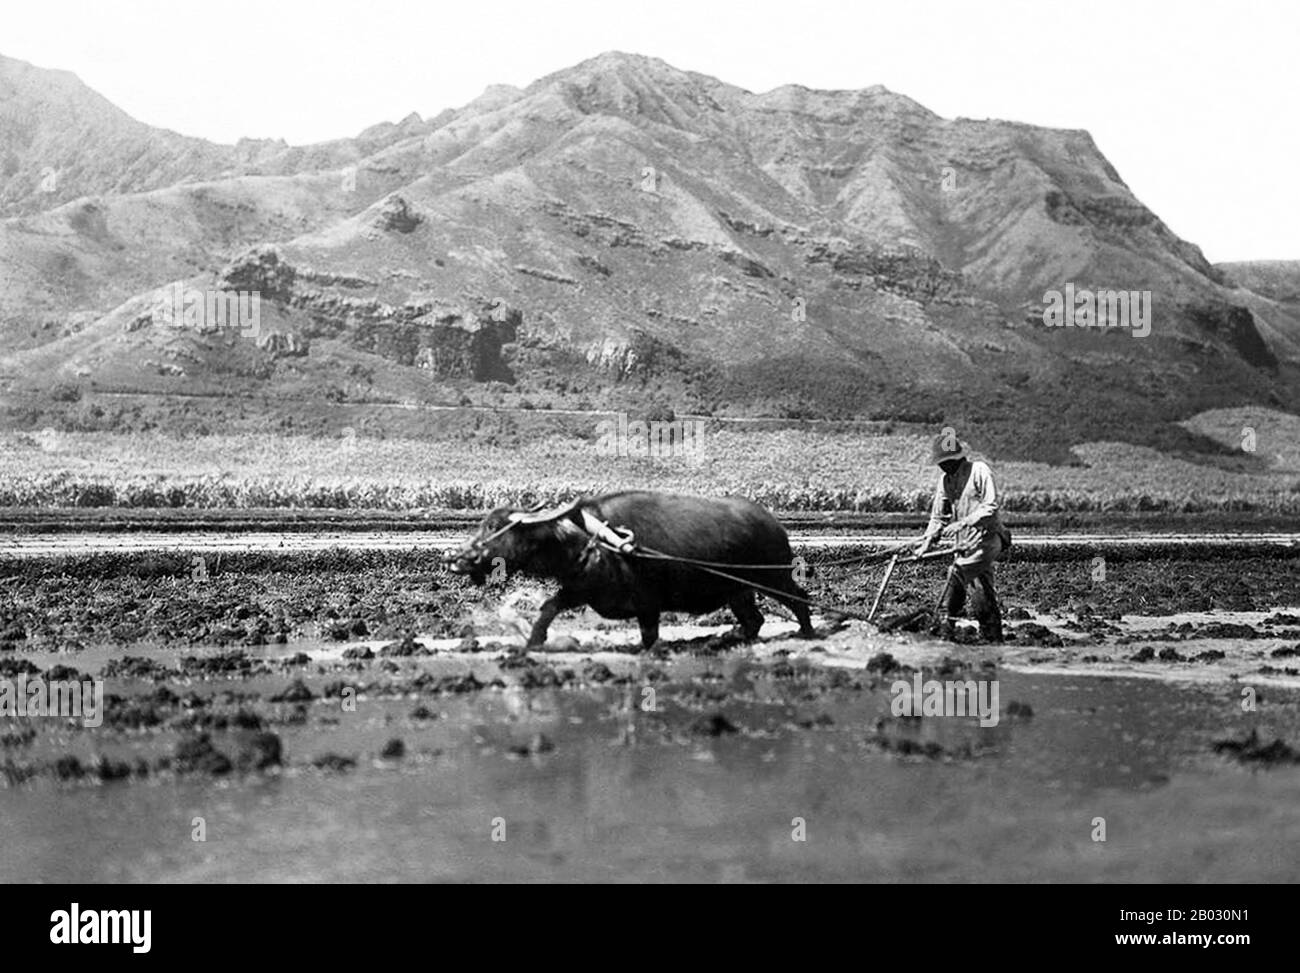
column 1194, row 103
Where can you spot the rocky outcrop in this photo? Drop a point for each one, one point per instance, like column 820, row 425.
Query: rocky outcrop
column 396, row 215
column 601, row 228
column 261, row 271
column 472, row 353
column 541, row 274
column 1234, row 326
column 1105, row 212
column 903, row 273
column 281, row 344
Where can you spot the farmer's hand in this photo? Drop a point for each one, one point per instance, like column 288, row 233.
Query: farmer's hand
column 924, row 546
column 952, row 530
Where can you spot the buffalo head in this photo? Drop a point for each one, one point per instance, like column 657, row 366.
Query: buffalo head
column 509, row 539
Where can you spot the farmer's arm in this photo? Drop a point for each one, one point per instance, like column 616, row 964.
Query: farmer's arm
column 935, row 526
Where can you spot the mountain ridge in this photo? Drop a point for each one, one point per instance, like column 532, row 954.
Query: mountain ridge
column 622, row 231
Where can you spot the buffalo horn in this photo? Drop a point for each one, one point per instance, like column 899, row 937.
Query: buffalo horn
column 544, row 515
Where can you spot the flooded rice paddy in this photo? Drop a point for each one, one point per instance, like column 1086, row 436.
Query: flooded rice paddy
column 366, row 718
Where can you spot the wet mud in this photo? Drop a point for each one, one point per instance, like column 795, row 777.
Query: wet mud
column 373, row 687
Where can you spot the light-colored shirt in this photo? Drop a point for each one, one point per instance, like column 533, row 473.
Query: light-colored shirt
column 970, row 499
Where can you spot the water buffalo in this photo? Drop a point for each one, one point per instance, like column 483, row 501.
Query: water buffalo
column 557, row 544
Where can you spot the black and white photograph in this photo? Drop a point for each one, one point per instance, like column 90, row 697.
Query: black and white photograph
column 684, row 443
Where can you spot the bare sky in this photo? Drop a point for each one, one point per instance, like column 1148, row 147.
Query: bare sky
column 1193, row 102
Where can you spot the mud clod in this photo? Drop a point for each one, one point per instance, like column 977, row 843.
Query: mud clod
column 1032, row 633
column 1252, row 749
column 297, row 692
column 260, row 751
column 233, row 663
column 197, row 755
column 342, row 631
column 69, row 768
column 11, row 668
column 882, row 662
column 907, row 747
column 516, row 659
column 21, row 736
column 134, row 667
column 334, row 762
column 598, row 672
column 137, row 713
column 713, row 725
column 336, row 689
column 812, row 723
column 14, row 774
column 842, row 679
column 467, row 683
column 913, row 621
column 540, row 743
column 1281, row 618
column 107, row 770
column 1226, row 630
column 403, row 647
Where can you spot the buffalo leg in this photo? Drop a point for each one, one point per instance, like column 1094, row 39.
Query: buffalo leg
column 557, row 603
column 649, row 622
column 797, row 601
column 747, row 614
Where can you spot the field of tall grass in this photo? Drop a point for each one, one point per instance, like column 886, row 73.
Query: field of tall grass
column 788, row 470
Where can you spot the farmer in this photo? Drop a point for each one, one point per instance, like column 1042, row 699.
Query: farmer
column 965, row 514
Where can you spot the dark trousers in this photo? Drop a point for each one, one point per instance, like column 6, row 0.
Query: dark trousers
column 984, row 599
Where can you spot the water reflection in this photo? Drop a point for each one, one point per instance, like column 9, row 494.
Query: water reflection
column 636, row 795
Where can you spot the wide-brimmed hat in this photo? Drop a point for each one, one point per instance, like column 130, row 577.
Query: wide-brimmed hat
column 947, row 447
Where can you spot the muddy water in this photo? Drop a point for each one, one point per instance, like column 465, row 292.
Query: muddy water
column 585, row 781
